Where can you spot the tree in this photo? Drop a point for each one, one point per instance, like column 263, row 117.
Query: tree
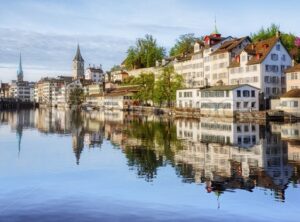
column 289, row 40
column 166, row 86
column 76, row 96
column 184, row 45
column 115, row 68
column 144, row 54
column 146, row 87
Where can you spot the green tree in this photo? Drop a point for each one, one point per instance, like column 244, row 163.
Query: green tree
column 166, row 86
column 146, row 87
column 76, row 96
column 184, row 45
column 115, row 68
column 144, row 53
column 288, row 39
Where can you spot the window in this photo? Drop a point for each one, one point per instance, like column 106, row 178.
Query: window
column 274, row 57
column 253, row 104
column 278, row 47
column 238, row 105
column 239, row 129
column 238, row 93
column 252, row 93
column 246, row 93
column 180, row 94
column 246, row 104
column 283, row 57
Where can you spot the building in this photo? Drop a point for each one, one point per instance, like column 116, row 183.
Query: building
column 118, row 76
column 290, row 102
column 78, row 65
column 209, row 61
column 20, row 89
column 293, row 77
column 226, row 100
column 262, row 65
column 95, row 74
column 221, row 100
column 4, row 90
column 48, row 91
column 121, row 98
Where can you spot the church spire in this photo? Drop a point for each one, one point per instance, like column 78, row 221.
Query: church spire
column 78, row 56
column 215, row 28
column 20, row 70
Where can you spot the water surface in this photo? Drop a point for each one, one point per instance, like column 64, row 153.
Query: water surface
column 58, row 165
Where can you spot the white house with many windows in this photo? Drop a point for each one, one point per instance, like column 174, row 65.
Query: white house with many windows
column 262, row 65
column 225, row 100
column 222, row 100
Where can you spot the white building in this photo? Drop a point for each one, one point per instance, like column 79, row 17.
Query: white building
column 225, row 100
column 262, row 65
column 95, row 74
column 222, row 100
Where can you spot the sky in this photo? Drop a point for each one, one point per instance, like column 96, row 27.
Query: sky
column 47, row 32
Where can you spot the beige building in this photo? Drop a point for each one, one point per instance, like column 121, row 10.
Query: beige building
column 290, row 102
column 293, row 77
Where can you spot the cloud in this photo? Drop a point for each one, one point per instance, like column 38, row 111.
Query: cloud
column 50, row 52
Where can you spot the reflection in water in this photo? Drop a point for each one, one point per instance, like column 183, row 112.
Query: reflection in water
column 222, row 155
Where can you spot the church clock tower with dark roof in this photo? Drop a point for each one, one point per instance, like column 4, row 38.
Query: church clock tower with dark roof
column 78, row 65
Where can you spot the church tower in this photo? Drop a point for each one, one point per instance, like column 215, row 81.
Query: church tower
column 20, row 71
column 78, row 65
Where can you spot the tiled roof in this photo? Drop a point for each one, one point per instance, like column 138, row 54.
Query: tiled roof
column 258, row 50
column 294, row 93
column 229, row 45
column 261, row 48
column 226, row 87
column 295, row 68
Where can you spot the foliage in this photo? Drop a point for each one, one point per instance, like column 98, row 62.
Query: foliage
column 76, row 96
column 288, row 39
column 115, row 68
column 184, row 45
column 146, row 82
column 166, row 86
column 144, row 54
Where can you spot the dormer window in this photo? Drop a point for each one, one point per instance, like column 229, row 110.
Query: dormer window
column 278, row 47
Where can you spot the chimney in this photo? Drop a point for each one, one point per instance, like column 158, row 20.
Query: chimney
column 206, row 82
column 163, row 62
column 237, row 58
column 278, row 34
column 293, row 62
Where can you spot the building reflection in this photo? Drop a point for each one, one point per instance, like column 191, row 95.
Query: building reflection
column 221, row 155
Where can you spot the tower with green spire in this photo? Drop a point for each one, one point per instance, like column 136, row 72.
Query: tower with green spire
column 215, row 32
column 20, row 70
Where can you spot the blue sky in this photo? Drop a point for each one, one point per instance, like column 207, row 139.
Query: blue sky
column 47, row 31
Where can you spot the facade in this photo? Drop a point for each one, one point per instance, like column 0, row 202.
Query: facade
column 23, row 91
column 118, row 76
column 222, row 100
column 262, row 65
column 293, row 77
column 95, row 74
column 48, row 91
column 78, row 65
column 4, row 90
column 120, row 98
column 225, row 100
column 290, row 102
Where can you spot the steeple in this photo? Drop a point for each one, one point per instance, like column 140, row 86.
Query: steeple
column 20, row 70
column 78, row 65
column 215, row 28
column 78, row 56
